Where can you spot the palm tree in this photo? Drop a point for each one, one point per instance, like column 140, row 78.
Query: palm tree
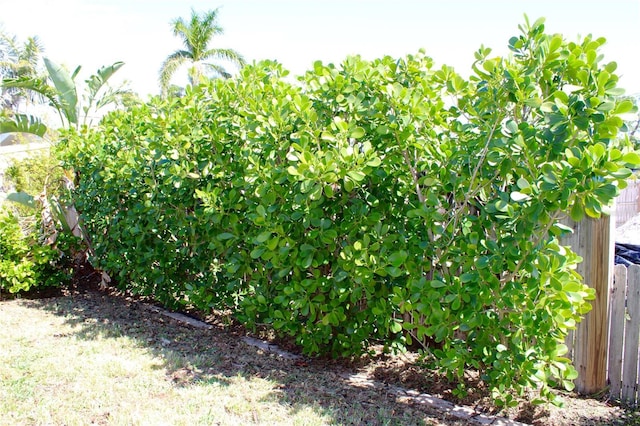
column 196, row 36
column 18, row 61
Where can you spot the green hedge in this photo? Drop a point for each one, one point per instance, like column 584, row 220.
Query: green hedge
column 377, row 201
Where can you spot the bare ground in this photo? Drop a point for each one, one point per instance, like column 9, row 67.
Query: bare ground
column 353, row 392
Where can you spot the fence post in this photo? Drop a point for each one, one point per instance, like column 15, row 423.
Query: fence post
column 595, row 243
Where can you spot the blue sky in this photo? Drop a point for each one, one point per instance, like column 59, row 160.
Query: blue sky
column 92, row 33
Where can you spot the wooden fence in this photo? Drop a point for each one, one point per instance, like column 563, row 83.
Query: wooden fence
column 624, row 334
column 605, row 346
column 628, row 202
column 588, row 344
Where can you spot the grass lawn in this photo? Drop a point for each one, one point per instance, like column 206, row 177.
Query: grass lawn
column 92, row 358
column 97, row 358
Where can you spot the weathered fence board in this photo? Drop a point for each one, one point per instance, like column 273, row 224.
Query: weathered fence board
column 628, row 202
column 616, row 329
column 592, row 239
column 631, row 336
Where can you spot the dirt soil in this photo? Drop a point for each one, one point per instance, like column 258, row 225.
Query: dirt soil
column 325, row 377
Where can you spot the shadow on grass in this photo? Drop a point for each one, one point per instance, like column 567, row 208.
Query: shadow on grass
column 191, row 356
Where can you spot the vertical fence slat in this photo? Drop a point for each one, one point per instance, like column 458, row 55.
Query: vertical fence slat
column 631, row 336
column 592, row 334
column 627, row 203
column 616, row 330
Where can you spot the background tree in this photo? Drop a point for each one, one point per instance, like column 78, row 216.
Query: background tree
column 196, row 35
column 18, row 60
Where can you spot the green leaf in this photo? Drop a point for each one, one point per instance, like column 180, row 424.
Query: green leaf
column 523, row 183
column 483, row 262
column 257, row 252
column 555, row 43
column 398, row 258
column 622, row 173
column 437, row 284
column 328, row 191
column 225, row 236
column 519, row 196
column 316, row 192
column 307, row 261
column 547, row 107
column 564, row 228
column 264, row 236
column 374, row 162
column 356, row 175
column 577, row 211
column 383, row 130
column 615, row 91
column 66, row 89
column 327, row 136
column 395, row 327
column 393, row 271
column 357, row 133
column 624, row 107
column 468, row 277
column 501, row 206
column 631, row 158
column 348, row 185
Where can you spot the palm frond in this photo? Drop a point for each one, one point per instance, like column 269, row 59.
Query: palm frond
column 204, row 28
column 33, row 84
column 217, row 70
column 226, row 54
column 170, row 66
column 32, row 51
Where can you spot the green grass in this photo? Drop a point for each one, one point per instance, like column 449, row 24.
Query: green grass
column 95, row 359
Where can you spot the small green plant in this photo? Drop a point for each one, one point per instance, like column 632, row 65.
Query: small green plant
column 25, row 261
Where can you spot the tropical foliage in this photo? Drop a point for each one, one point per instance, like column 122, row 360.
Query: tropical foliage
column 60, row 89
column 379, row 201
column 196, row 35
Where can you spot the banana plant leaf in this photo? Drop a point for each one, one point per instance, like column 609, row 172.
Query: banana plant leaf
column 66, row 88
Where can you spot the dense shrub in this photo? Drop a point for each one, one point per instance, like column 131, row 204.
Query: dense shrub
column 377, row 201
